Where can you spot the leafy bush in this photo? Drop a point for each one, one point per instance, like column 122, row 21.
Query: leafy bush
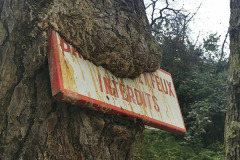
column 159, row 145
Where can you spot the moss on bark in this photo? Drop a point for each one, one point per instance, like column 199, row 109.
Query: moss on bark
column 33, row 125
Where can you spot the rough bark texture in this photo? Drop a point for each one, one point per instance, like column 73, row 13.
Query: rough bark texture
column 33, row 125
column 232, row 125
column 111, row 33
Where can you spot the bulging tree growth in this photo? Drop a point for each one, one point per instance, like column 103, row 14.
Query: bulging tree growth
column 33, row 125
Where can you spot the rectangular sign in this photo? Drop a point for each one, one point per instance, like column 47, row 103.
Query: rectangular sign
column 150, row 97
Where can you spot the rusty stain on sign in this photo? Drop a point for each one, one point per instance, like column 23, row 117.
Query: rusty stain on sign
column 150, row 97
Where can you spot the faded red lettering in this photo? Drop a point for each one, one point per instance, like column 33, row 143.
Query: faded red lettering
column 64, row 45
column 164, row 89
column 155, row 103
column 148, row 98
column 158, row 83
column 107, row 84
column 122, row 90
column 152, row 80
column 75, row 52
column 145, row 79
column 115, row 87
column 130, row 94
column 100, row 82
column 170, row 89
column 140, row 79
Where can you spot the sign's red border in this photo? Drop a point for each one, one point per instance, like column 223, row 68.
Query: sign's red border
column 62, row 94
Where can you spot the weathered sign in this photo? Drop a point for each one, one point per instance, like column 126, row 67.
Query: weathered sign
column 150, row 97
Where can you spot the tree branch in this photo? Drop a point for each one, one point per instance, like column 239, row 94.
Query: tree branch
column 223, row 46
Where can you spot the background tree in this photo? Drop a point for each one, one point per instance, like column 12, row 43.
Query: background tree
column 199, row 71
column 33, row 125
column 232, row 127
column 200, row 84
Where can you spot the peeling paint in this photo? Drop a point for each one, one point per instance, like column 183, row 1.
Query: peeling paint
column 67, row 69
column 145, row 97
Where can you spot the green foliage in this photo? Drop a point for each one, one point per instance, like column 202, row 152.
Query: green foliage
column 159, row 145
column 206, row 113
column 210, row 43
column 200, row 78
column 211, row 47
column 200, row 83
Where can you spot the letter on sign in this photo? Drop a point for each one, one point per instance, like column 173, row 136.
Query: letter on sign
column 151, row 97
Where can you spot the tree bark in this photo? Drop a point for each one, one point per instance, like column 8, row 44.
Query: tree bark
column 33, row 125
column 232, row 124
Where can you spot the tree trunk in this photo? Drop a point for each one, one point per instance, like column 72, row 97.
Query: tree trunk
column 232, row 124
column 33, row 125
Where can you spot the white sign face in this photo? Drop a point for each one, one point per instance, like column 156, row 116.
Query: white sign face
column 150, row 97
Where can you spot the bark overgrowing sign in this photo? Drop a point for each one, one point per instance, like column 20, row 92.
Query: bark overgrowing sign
column 150, row 97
